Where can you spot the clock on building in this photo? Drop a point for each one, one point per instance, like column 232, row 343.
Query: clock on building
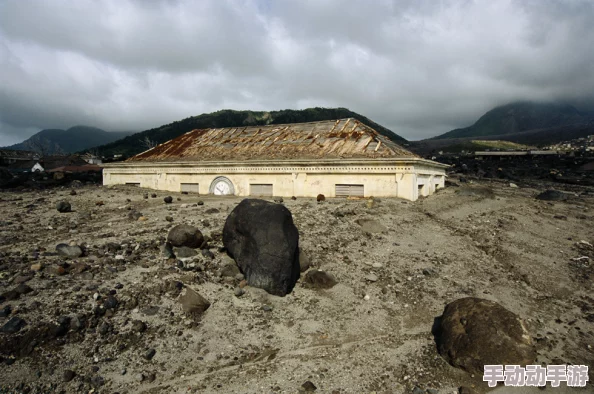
column 222, row 186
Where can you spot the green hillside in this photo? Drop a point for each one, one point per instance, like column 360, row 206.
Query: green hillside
column 137, row 143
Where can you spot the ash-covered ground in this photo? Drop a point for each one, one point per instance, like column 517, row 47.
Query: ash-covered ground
column 112, row 321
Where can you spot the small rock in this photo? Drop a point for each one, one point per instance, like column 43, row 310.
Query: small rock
column 168, row 200
column 320, row 198
column 63, row 206
column 73, row 192
column 169, row 218
column 371, row 277
column 68, row 375
column 72, row 252
column 418, row 390
column 99, row 203
column 304, row 262
column 279, row 200
column 13, row 325
column 552, row 195
column 154, row 195
column 185, row 235
column 238, row 292
column 138, row 326
column 110, row 302
column 139, row 377
column 207, row 253
column 56, row 270
column 319, row 280
column 36, row 267
column 466, row 390
column 308, row 386
column 184, row 252
column 193, row 303
column 149, row 354
column 5, row 311
column 200, row 202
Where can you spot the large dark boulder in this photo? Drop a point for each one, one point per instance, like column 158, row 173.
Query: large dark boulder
column 552, row 195
column 185, row 235
column 473, row 332
column 264, row 242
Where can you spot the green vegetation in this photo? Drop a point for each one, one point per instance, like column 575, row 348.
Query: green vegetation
column 137, row 143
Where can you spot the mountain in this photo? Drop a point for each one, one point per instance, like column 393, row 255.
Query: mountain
column 140, row 142
column 75, row 139
column 521, row 117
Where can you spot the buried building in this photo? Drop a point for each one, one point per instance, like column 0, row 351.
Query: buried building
column 337, row 158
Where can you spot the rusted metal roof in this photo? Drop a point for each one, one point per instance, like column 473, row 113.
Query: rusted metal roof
column 344, row 138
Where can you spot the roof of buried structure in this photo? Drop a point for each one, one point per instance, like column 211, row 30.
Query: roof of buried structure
column 332, row 139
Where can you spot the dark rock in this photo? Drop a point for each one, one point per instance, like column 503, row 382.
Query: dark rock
column 184, row 251
column 150, row 310
column 63, row 206
column 278, row 200
column 23, row 289
column 134, row 215
column 474, row 332
column 13, row 325
column 138, row 326
column 320, row 198
column 10, row 295
column 168, row 251
column 169, row 218
column 5, row 311
column 552, row 195
column 71, row 252
column 212, row 210
column 185, row 235
column 68, row 375
column 418, row 390
column 309, row 386
column 466, row 390
column 153, row 195
column 77, row 323
column 193, row 303
column 319, row 280
column 263, row 240
column 145, row 196
column 149, row 354
column 230, row 269
column 293, row 198
column 73, row 192
column 200, row 202
column 168, row 200
column 207, row 253
column 110, row 302
column 22, row 279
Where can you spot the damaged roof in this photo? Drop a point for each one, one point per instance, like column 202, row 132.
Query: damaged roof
column 344, row 138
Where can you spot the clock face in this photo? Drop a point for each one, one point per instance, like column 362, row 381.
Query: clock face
column 221, row 188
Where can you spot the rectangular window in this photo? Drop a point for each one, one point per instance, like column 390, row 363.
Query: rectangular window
column 259, row 189
column 350, row 191
column 189, row 188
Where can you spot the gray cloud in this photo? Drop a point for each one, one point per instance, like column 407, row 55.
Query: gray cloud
column 418, row 67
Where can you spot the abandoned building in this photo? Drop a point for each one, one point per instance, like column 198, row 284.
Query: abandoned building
column 337, row 158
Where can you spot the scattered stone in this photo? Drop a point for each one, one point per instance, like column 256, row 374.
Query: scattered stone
column 320, row 198
column 36, row 267
column 139, row 377
column 13, row 325
column 71, row 252
column 184, row 252
column 230, row 269
column 212, row 210
column 154, row 195
column 56, row 270
column 466, row 390
column 73, row 192
column 308, row 386
column 99, row 203
column 193, row 303
column 560, row 217
column 110, row 302
column 23, row 289
column 513, row 185
column 418, row 390
column 134, row 215
column 5, row 311
column 261, row 237
column 552, row 195
column 145, row 196
column 304, row 262
column 319, row 280
column 474, row 332
column 207, row 253
column 200, row 202
column 371, row 226
column 138, row 326
column 238, row 292
column 278, row 200
column 371, row 277
column 149, row 354
column 22, row 279
column 63, row 206
column 293, row 198
column 168, row 200
column 185, row 235
column 169, row 218
column 68, row 375
column 167, row 251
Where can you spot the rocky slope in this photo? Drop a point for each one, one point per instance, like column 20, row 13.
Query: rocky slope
column 114, row 319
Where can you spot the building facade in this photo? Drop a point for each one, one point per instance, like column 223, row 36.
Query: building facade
column 335, row 158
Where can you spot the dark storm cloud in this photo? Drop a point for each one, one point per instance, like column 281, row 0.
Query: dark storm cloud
column 417, row 67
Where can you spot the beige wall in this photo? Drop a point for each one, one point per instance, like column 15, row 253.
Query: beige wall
column 391, row 180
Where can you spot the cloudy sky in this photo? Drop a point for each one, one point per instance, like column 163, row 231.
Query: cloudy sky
column 418, row 67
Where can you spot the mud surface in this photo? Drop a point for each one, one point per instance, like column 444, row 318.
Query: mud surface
column 111, row 320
